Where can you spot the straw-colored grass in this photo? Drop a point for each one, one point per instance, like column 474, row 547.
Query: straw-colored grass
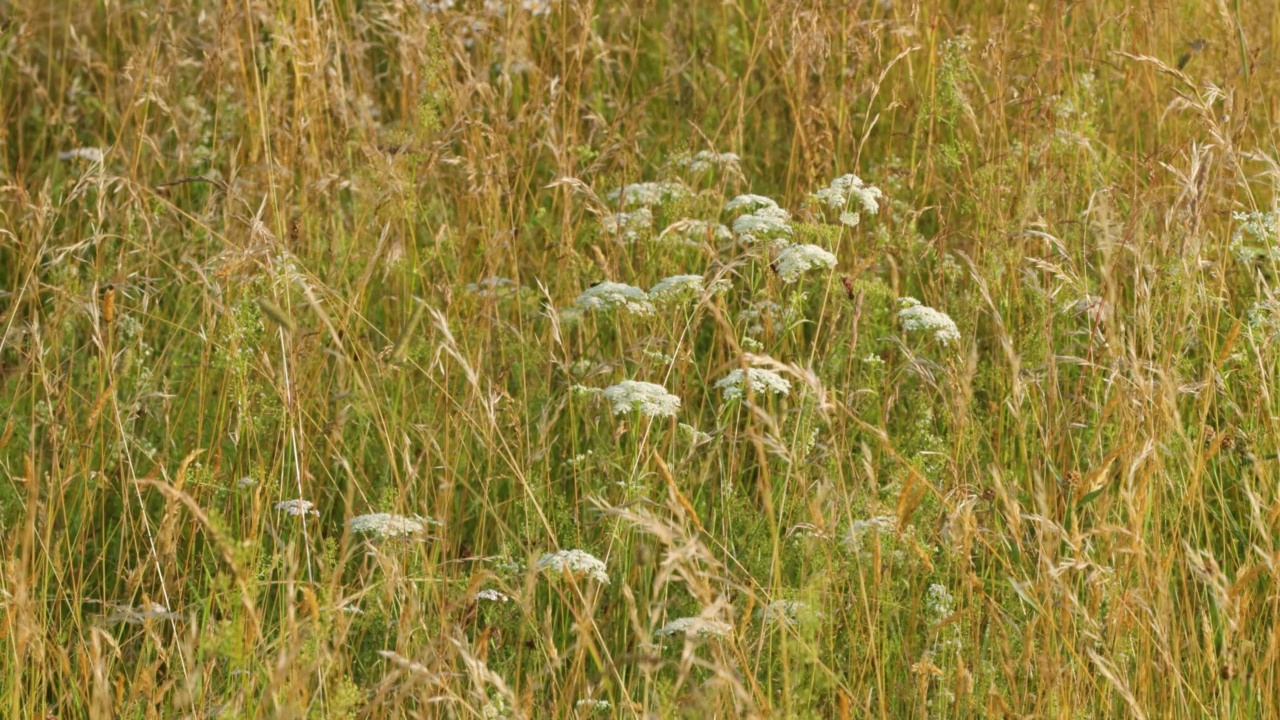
column 1001, row 444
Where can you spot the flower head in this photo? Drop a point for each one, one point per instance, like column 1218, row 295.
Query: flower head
column 492, row 596
column 683, row 288
column 872, row 527
column 922, row 318
column 695, row 627
column 705, row 160
column 750, row 203
column 766, row 223
column 628, row 227
column 493, row 286
column 648, row 194
column 798, row 259
column 787, row 612
column 89, row 154
column 612, row 295
column 761, row 381
column 577, row 563
column 650, row 399
column 297, row 508
column 850, row 187
column 388, row 525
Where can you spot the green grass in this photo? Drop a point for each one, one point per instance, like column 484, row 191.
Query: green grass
column 271, row 288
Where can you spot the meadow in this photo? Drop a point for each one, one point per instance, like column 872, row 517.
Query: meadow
column 885, row 359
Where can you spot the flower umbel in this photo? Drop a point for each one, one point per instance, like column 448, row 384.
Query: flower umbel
column 798, row 259
column 922, row 318
column 762, row 382
column 297, row 508
column 388, row 525
column 683, row 288
column 649, row 399
column 577, row 563
column 612, row 296
column 648, row 194
column 695, row 627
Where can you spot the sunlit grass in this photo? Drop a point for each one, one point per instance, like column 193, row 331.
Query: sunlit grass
column 512, row 359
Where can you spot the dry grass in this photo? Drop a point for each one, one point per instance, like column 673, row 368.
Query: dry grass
column 261, row 293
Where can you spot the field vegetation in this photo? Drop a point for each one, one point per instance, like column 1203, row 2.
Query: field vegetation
column 561, row 359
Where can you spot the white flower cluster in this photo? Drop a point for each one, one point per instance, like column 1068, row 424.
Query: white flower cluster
column 749, row 203
column 650, row 399
column 873, row 527
column 762, row 382
column 492, row 596
column 536, row 8
column 786, row 612
column 648, row 194
column 844, row 188
column 388, row 525
column 705, row 160
column 796, row 260
column 939, row 602
column 767, row 223
column 695, row 627
column 297, row 508
column 577, row 563
column 493, row 287
column 612, row 296
column 1257, row 236
column 591, row 705
column 89, row 154
column 684, row 288
column 628, row 227
column 152, row 611
column 922, row 318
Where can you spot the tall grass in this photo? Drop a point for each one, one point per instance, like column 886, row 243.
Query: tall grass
column 273, row 250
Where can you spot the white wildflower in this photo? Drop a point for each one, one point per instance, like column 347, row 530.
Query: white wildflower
column 695, row 627
column 922, row 318
column 1256, row 236
column 696, row 436
column 650, row 399
column 574, row 562
column 137, row 616
column 850, row 187
column 871, row 527
column 388, row 525
column 767, row 223
column 796, row 260
column 787, row 612
column 493, row 287
column 762, row 382
column 939, row 602
column 684, row 288
column 297, row 508
column 536, row 7
column 89, row 154
column 750, row 203
column 648, row 194
column 492, row 596
column 705, row 160
column 246, row 482
column 612, row 295
column 628, row 227
column 591, row 705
